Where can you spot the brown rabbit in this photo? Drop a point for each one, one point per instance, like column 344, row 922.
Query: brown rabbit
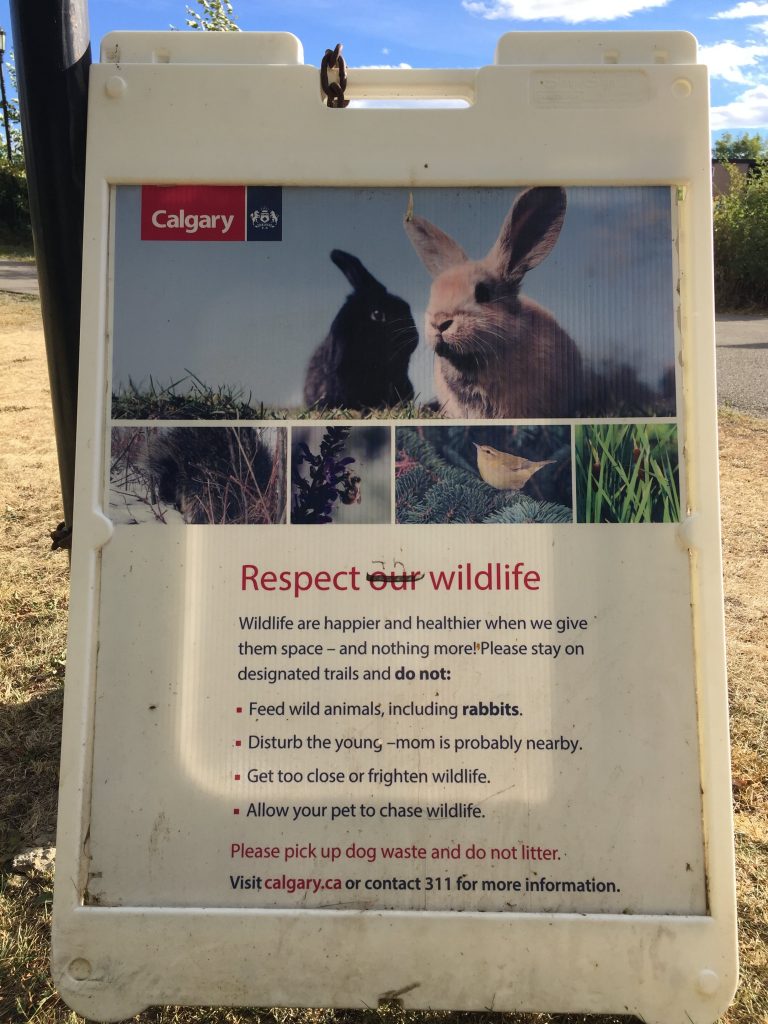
column 499, row 354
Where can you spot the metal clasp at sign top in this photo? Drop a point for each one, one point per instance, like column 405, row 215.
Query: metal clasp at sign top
column 334, row 91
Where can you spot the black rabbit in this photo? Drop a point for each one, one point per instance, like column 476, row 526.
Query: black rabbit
column 363, row 361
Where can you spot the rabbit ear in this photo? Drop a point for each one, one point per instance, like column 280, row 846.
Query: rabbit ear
column 529, row 232
column 436, row 250
column 354, row 271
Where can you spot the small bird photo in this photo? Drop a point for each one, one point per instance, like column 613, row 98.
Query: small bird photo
column 488, row 474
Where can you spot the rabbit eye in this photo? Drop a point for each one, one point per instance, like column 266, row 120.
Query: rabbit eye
column 482, row 292
column 378, row 316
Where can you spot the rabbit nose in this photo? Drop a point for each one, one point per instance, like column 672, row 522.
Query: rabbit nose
column 444, row 326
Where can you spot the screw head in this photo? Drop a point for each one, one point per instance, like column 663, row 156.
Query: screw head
column 682, row 88
column 708, row 982
column 115, row 87
column 80, row 969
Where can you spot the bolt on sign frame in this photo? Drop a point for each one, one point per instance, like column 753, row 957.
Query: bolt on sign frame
column 471, row 750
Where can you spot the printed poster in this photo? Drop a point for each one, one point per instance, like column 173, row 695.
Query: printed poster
column 474, row 688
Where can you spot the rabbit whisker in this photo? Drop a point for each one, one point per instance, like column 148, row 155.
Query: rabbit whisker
column 407, row 345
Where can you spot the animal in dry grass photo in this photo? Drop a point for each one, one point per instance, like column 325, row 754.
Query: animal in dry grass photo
column 198, row 475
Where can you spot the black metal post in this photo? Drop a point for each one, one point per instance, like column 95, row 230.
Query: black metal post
column 9, row 150
column 53, row 55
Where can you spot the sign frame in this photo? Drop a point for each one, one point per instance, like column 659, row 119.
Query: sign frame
column 625, row 108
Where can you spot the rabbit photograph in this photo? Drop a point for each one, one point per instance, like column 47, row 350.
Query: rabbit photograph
column 499, row 354
column 536, row 302
column 363, row 361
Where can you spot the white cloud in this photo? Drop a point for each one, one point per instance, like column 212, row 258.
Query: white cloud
column 385, row 67
column 748, row 9
column 570, row 11
column 750, row 110
column 726, row 60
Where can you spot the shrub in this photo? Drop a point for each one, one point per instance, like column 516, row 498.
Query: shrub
column 15, row 228
column 741, row 241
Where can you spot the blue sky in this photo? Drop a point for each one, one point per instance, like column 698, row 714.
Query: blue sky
column 463, row 33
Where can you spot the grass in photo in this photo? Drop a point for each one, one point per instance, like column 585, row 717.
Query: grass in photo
column 488, row 474
column 190, row 398
column 201, row 475
column 627, row 473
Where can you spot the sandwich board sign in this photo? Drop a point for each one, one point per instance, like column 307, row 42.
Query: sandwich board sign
column 465, row 746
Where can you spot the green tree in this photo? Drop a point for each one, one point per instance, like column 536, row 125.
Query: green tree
column 15, row 228
column 213, row 16
column 14, row 120
column 741, row 241
column 728, row 148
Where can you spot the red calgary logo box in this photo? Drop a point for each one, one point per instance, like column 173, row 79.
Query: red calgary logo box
column 193, row 213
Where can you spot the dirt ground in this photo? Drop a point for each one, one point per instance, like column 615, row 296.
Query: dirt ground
column 25, row 403
column 33, row 604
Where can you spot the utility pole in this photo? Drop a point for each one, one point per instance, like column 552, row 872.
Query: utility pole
column 53, row 56
column 4, row 100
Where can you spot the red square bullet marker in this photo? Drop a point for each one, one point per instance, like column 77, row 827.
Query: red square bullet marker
column 236, row 810
column 237, row 778
column 239, row 711
column 238, row 743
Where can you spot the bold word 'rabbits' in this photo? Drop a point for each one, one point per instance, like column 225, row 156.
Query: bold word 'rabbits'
column 499, row 354
column 363, row 361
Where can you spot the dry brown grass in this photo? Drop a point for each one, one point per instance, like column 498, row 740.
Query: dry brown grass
column 33, row 602
column 744, row 503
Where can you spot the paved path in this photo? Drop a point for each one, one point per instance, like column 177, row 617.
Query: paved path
column 742, row 362
column 742, row 346
column 18, row 276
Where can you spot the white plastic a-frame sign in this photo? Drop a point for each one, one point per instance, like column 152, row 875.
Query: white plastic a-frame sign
column 396, row 663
